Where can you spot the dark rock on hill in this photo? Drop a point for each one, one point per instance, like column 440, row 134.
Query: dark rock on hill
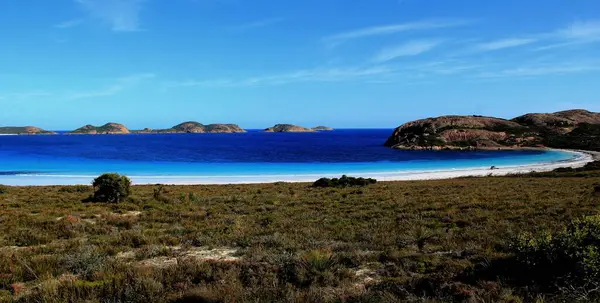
column 476, row 132
column 288, row 128
column 109, row 128
column 24, row 130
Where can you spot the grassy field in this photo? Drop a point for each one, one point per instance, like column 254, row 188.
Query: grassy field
column 427, row 241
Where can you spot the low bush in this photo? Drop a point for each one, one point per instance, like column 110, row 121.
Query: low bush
column 3, row 189
column 570, row 257
column 112, row 188
column 344, row 181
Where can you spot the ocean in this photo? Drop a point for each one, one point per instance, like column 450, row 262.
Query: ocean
column 252, row 156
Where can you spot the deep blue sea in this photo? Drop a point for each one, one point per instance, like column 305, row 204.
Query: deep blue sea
column 254, row 154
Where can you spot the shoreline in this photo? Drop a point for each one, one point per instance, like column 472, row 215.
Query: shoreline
column 580, row 159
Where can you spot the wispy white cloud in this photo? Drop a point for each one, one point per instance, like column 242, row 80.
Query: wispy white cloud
column 312, row 75
column 561, row 68
column 392, row 29
column 504, row 43
column 120, row 15
column 258, row 24
column 69, row 23
column 118, row 86
column 24, row 96
column 576, row 33
column 581, row 30
column 411, row 48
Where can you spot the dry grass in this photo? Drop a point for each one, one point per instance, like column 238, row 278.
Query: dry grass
column 409, row 241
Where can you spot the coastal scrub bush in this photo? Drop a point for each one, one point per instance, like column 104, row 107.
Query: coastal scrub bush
column 3, row 189
column 571, row 256
column 112, row 188
column 344, row 181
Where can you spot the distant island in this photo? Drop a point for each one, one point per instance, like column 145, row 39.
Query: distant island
column 183, row 128
column 575, row 129
column 290, row 128
column 24, row 130
column 195, row 128
column 106, row 129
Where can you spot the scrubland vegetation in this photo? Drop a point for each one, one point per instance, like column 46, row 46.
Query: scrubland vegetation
column 496, row 239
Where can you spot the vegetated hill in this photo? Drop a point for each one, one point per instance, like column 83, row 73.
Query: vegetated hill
column 288, row 128
column 560, row 122
column 322, row 128
column 109, row 128
column 24, row 130
column 566, row 129
column 195, row 127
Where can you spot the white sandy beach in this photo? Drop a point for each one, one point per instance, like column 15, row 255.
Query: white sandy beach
column 580, row 159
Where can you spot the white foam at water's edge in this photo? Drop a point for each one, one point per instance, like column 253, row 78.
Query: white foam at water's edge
column 579, row 159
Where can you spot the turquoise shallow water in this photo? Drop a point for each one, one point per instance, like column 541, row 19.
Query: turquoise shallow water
column 28, row 159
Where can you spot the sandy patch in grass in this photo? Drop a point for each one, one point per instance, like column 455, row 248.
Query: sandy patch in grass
column 223, row 254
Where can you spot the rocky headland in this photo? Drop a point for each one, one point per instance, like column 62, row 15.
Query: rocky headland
column 576, row 129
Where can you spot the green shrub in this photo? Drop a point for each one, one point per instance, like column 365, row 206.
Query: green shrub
column 111, row 188
column 344, row 181
column 571, row 256
column 3, row 189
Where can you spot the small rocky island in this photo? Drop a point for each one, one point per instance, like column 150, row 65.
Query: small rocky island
column 288, row 128
column 565, row 129
column 196, row 128
column 322, row 128
column 24, row 130
column 183, row 128
column 106, row 129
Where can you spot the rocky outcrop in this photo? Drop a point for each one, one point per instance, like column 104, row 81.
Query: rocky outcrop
column 106, row 129
column 189, row 127
column 477, row 132
column 561, row 122
column 195, row 128
column 24, row 130
column 322, row 128
column 224, row 128
column 288, row 128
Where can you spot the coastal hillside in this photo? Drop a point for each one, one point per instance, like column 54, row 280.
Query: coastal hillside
column 193, row 127
column 577, row 129
column 24, row 130
column 561, row 122
column 288, row 128
column 109, row 128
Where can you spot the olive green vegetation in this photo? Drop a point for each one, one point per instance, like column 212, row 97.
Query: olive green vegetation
column 585, row 136
column 112, row 188
column 494, row 239
column 344, row 181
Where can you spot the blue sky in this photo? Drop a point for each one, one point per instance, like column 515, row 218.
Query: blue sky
column 344, row 63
